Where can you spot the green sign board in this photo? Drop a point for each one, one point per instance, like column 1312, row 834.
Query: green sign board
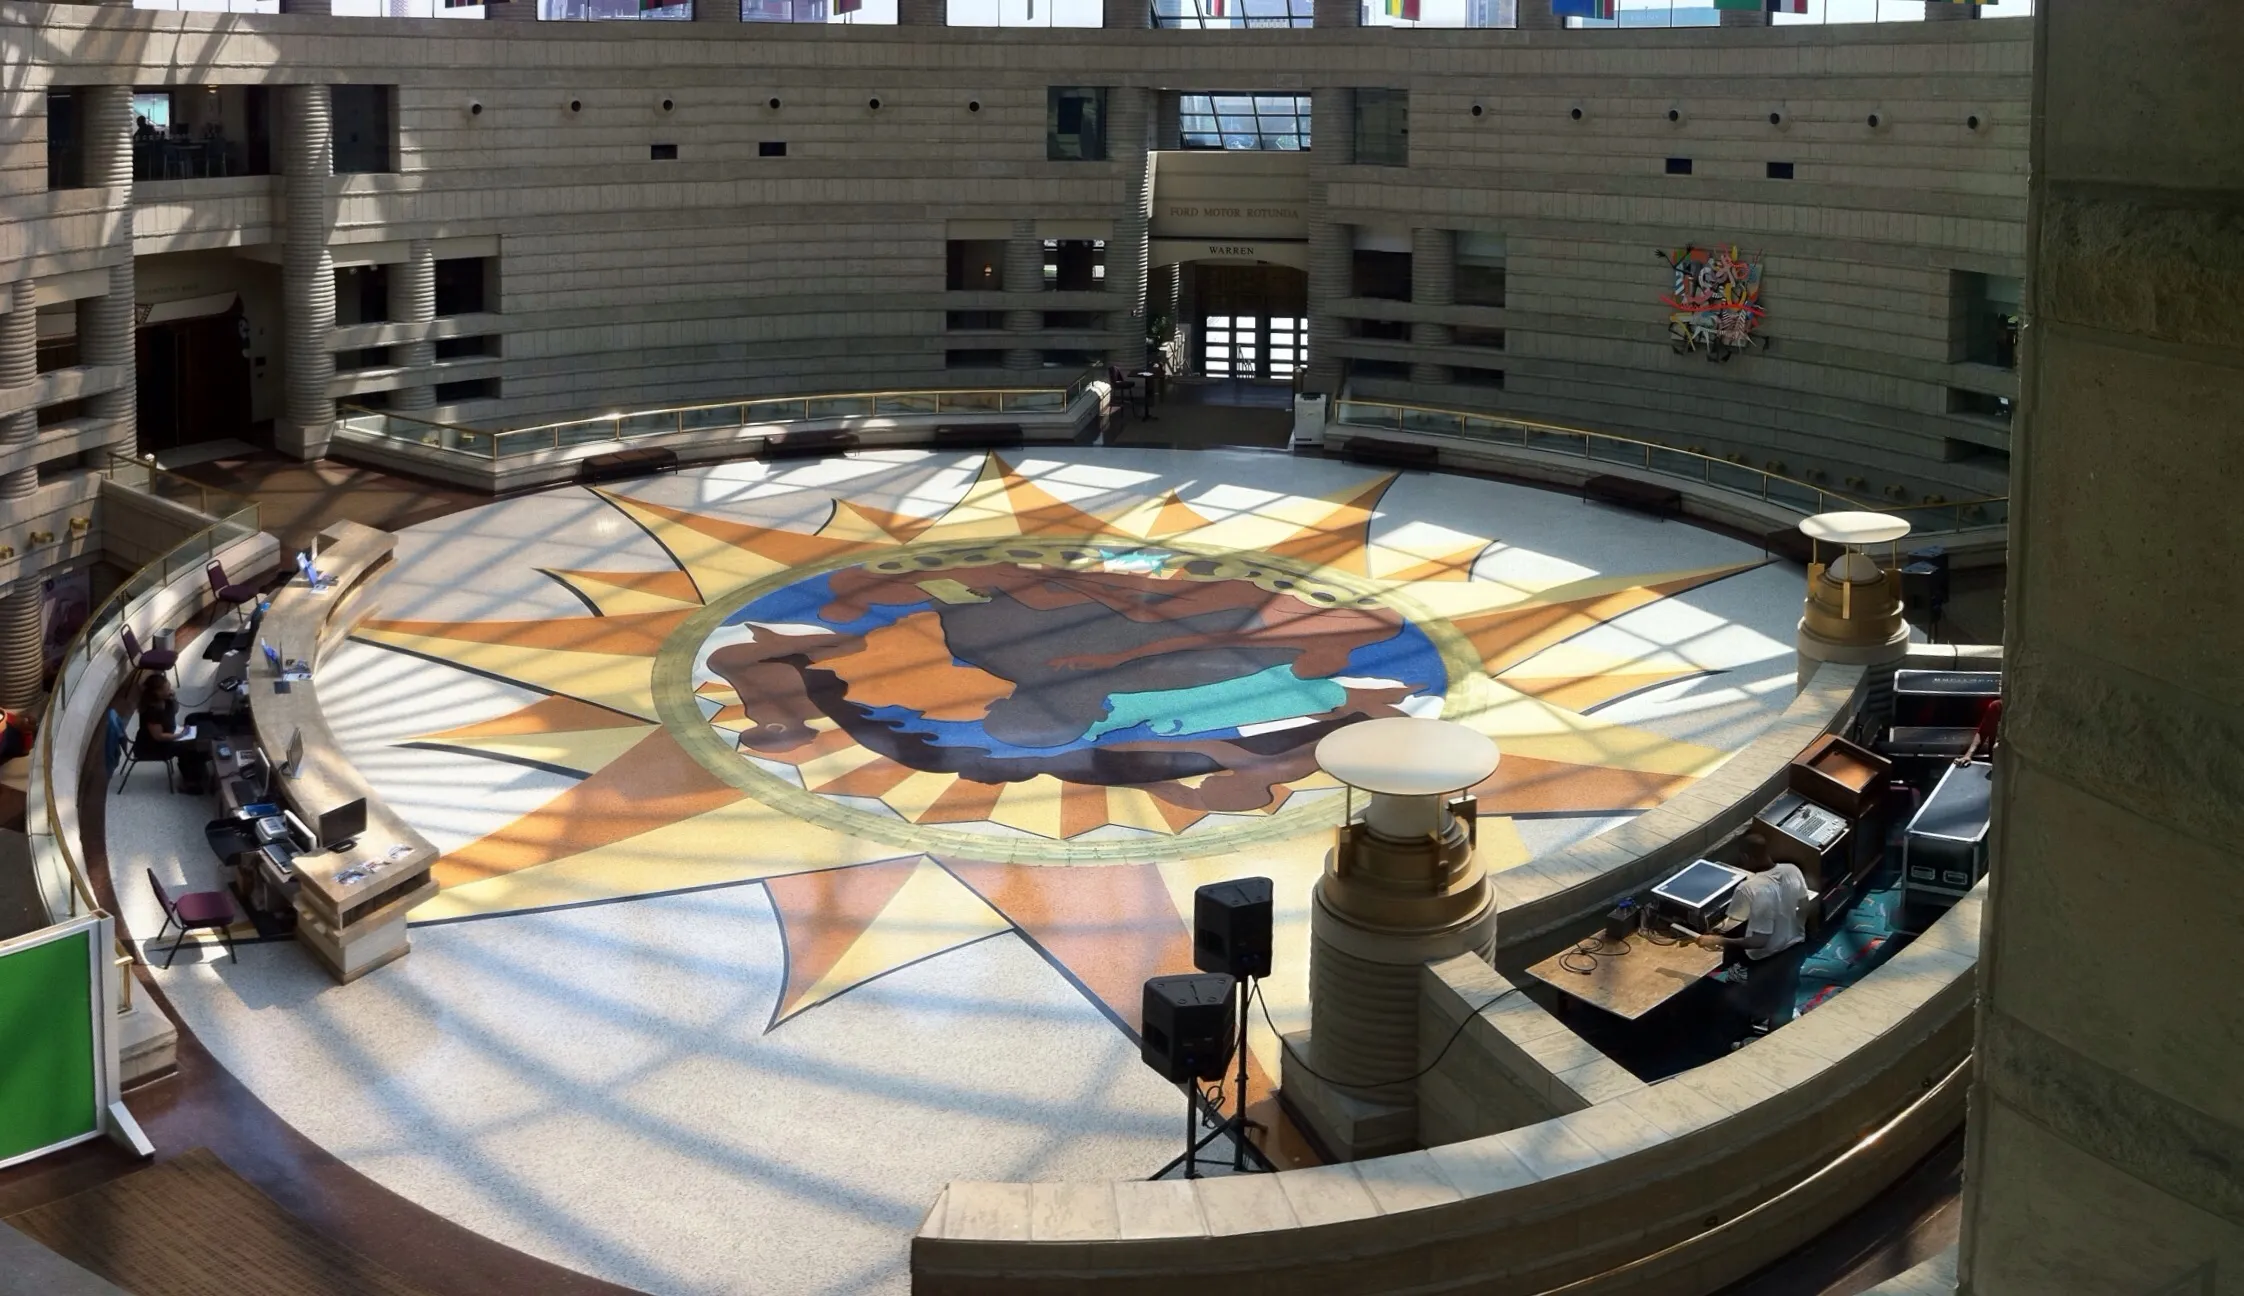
column 48, row 1094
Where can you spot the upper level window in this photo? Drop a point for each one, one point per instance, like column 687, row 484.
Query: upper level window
column 1983, row 318
column 1480, row 269
column 466, row 285
column 1075, row 124
column 66, row 148
column 1278, row 123
column 364, row 128
column 196, row 132
column 1441, row 13
column 846, row 12
column 1233, row 13
column 1383, row 127
column 1025, row 13
column 613, row 10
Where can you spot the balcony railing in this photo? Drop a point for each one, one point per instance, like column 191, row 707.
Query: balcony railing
column 1789, row 493
column 728, row 416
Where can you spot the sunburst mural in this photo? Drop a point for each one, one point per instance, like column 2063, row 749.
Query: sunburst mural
column 1018, row 714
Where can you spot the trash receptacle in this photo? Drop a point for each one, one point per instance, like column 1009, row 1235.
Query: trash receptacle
column 1308, row 421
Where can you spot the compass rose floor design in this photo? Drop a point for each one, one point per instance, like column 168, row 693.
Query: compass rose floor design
column 808, row 829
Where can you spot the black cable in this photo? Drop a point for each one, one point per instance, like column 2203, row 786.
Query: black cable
column 1590, row 951
column 1381, row 1084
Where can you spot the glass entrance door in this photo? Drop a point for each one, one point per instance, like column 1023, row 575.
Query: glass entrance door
column 1253, row 346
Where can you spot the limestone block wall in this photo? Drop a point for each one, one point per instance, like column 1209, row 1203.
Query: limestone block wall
column 628, row 280
column 2106, row 1123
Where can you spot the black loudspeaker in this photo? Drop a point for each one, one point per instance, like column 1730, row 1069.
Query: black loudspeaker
column 1920, row 586
column 1231, row 927
column 1935, row 557
column 1186, row 1025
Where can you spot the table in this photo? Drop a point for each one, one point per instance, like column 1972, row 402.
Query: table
column 1632, row 984
column 352, row 921
column 1145, row 380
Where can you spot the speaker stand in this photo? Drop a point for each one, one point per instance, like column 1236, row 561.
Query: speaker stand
column 1236, row 1125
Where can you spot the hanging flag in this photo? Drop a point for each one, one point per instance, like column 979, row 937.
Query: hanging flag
column 1583, row 8
column 848, row 6
column 1407, row 10
column 1788, row 6
column 1211, row 8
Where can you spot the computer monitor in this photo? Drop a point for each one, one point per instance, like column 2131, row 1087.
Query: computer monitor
column 299, row 833
column 341, row 826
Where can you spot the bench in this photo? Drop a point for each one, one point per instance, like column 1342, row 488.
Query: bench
column 639, row 461
column 979, row 436
column 1628, row 492
column 1391, row 454
column 808, row 444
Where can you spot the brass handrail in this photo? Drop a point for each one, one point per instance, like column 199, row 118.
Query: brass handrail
column 79, row 652
column 1490, row 416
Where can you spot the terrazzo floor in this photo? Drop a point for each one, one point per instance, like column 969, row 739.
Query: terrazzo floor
column 751, row 938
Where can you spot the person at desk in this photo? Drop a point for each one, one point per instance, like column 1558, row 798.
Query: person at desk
column 161, row 737
column 1765, row 934
column 1988, row 734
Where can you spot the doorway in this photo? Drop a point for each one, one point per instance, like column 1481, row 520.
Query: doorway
column 194, row 378
column 1252, row 322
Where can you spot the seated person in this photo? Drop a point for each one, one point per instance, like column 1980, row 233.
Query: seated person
column 160, row 732
column 1765, row 934
column 16, row 731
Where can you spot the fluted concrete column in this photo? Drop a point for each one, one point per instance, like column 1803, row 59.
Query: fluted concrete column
column 922, row 13
column 1751, row 17
column 307, row 273
column 105, row 332
column 1024, row 279
column 510, row 10
column 1128, row 14
column 1168, row 120
column 19, row 366
column 1129, row 125
column 1942, row 11
column 1337, row 13
column 718, row 11
column 413, row 301
column 1433, row 282
column 1536, row 15
column 1332, row 143
column 23, row 644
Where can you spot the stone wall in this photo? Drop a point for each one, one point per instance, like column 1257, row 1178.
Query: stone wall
column 631, row 281
column 2107, row 1127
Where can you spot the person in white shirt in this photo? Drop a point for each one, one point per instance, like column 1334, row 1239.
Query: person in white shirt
column 1765, row 933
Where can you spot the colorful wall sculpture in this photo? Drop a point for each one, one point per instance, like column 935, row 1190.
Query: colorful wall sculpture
column 1716, row 304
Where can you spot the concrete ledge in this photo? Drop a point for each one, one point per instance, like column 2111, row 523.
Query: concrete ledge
column 1644, row 1180
column 1513, row 1064
column 1935, row 1277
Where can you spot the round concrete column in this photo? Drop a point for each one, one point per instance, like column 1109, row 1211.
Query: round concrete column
column 510, row 10
column 1168, row 120
column 19, row 366
column 922, row 13
column 1401, row 887
column 413, row 301
column 727, row 11
column 1332, row 143
column 1129, row 113
column 23, row 644
column 1024, row 279
column 1128, row 14
column 307, row 273
column 1337, row 13
column 1433, row 282
column 105, row 323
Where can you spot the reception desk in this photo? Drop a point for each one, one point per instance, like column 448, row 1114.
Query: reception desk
column 350, row 904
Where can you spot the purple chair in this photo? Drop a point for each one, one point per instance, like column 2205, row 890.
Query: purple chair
column 195, row 911
column 232, row 593
column 155, row 659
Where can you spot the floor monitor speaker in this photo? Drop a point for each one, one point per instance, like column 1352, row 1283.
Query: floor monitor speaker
column 1231, row 927
column 1187, row 1025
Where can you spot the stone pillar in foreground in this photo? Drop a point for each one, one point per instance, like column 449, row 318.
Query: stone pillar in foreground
column 2106, row 1124
column 1129, row 112
column 1332, row 143
column 23, row 644
column 106, row 324
column 19, row 367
